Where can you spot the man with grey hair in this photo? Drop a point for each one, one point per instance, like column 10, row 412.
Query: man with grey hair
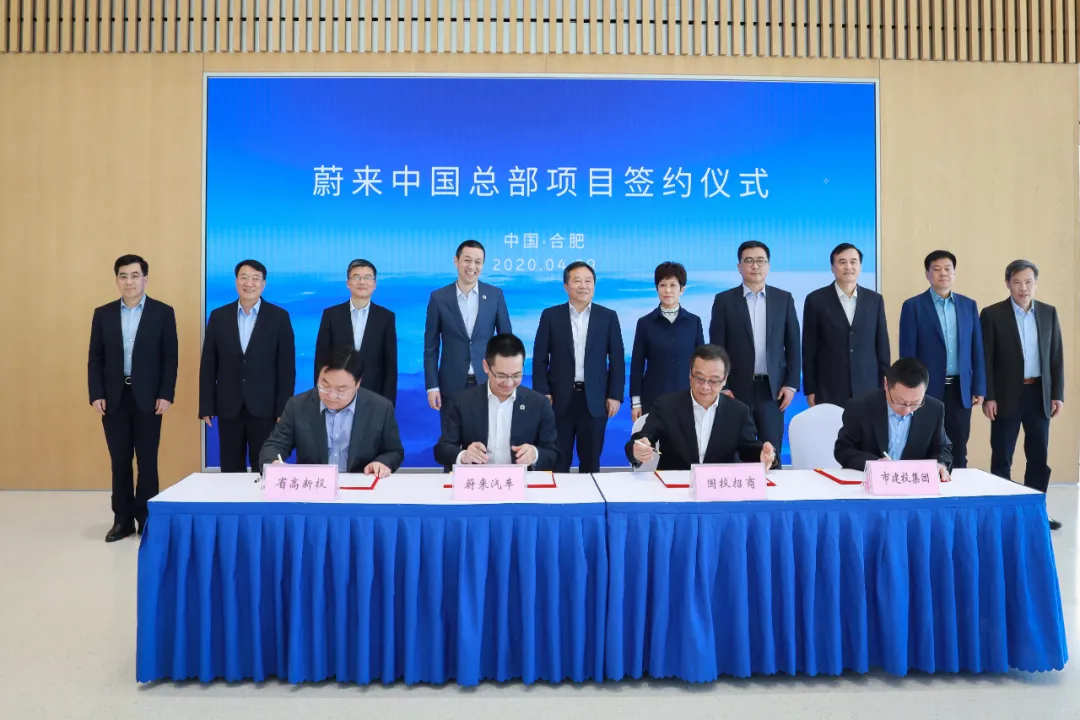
column 1025, row 375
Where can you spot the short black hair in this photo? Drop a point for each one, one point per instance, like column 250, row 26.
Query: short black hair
column 361, row 263
column 130, row 260
column 750, row 245
column 1020, row 266
column 343, row 357
column 909, row 372
column 574, row 266
column 253, row 264
column 666, row 270
column 843, row 247
column 939, row 255
column 504, row 345
column 711, row 352
column 470, row 244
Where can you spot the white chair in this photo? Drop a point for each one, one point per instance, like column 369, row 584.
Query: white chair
column 651, row 464
column 812, row 436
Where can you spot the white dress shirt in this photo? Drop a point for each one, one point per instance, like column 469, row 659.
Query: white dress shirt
column 469, row 305
column 245, row 322
column 579, row 324
column 500, row 417
column 848, row 303
column 359, row 323
column 703, row 422
column 755, row 304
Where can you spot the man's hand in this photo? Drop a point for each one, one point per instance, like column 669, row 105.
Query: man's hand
column 768, row 455
column 643, row 451
column 434, row 399
column 279, row 461
column 943, row 473
column 811, row 400
column 377, row 469
column 976, row 399
column 207, row 420
column 161, row 406
column 990, row 409
column 99, row 406
column 1055, row 407
column 612, row 407
column 524, row 454
column 785, row 397
column 727, row 392
column 635, row 413
column 475, row 454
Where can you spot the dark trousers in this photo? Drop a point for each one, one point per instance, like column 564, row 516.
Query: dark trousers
column 957, row 423
column 767, row 416
column 1003, row 434
column 470, row 382
column 240, row 440
column 575, row 422
column 131, row 433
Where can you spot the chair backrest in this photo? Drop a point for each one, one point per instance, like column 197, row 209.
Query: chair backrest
column 812, row 437
column 651, row 465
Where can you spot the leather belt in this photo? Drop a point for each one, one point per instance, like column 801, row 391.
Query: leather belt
column 127, row 380
column 761, row 378
column 579, row 387
column 950, row 379
column 1031, row 381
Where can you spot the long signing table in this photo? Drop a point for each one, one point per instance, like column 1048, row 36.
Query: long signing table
column 589, row 580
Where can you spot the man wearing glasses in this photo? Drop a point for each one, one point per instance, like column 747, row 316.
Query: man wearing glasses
column 898, row 422
column 500, row 422
column 338, row 423
column 722, row 429
column 370, row 329
column 759, row 327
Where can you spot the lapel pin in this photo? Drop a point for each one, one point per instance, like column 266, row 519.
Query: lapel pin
column 522, row 407
column 483, row 297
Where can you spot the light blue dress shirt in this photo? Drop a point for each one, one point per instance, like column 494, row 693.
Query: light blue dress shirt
column 129, row 328
column 338, row 433
column 469, row 305
column 899, row 427
column 946, row 313
column 246, row 322
column 359, row 323
column 755, row 304
column 1029, row 339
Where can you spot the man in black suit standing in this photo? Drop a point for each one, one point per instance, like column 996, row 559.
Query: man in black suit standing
column 370, row 329
column 700, row 426
column 578, row 362
column 757, row 324
column 898, row 422
column 845, row 339
column 500, row 422
column 132, row 381
column 248, row 369
column 1025, row 375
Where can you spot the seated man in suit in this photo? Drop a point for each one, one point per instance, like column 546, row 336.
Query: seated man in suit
column 899, row 422
column 700, row 426
column 499, row 422
column 338, row 423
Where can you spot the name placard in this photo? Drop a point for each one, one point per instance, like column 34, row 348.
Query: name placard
column 499, row 483
column 300, row 483
column 902, row 477
column 737, row 481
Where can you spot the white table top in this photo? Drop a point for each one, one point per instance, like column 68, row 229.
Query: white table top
column 398, row 489
column 794, row 485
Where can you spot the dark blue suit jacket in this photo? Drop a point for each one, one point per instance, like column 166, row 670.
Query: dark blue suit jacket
column 153, row 359
column 730, row 328
column 378, row 351
column 605, row 362
column 921, row 337
column 466, row 421
column 660, row 360
column 842, row 361
column 446, row 327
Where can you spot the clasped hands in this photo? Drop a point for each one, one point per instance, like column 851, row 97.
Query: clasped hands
column 372, row 468
column 477, row 454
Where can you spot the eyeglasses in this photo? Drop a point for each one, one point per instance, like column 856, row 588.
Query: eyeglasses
column 249, row 278
column 905, row 406
column 702, row 381
column 362, row 279
column 331, row 393
column 755, row 262
column 500, row 377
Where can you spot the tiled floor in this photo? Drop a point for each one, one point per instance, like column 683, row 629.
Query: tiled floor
column 67, row 650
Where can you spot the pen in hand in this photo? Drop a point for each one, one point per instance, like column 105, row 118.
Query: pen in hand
column 647, row 445
column 885, row 456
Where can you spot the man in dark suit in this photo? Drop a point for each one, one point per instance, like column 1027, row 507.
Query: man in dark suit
column 499, row 422
column 461, row 318
column 845, row 339
column 370, row 329
column 132, row 380
column 941, row 328
column 578, row 363
column 898, row 422
column 248, row 369
column 1025, row 376
column 338, row 423
column 702, row 425
column 757, row 324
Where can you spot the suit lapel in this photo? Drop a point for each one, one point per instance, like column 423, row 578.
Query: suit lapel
column 687, row 428
column 371, row 328
column 880, row 421
column 774, row 316
column 861, row 299
column 744, row 312
column 930, row 311
column 592, row 335
column 710, row 448
column 232, row 328
column 319, row 429
column 342, row 325
column 916, row 438
column 563, row 321
column 451, row 301
column 359, row 416
column 1043, row 329
column 485, row 308
column 517, row 420
column 1008, row 317
column 258, row 330
column 147, row 318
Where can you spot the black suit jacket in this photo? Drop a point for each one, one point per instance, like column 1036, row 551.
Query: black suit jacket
column 465, row 421
column 605, row 361
column 842, row 361
column 374, row 435
column 153, row 359
column 1004, row 356
column 261, row 379
column 865, row 433
column 731, row 329
column 378, row 349
column 671, row 422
